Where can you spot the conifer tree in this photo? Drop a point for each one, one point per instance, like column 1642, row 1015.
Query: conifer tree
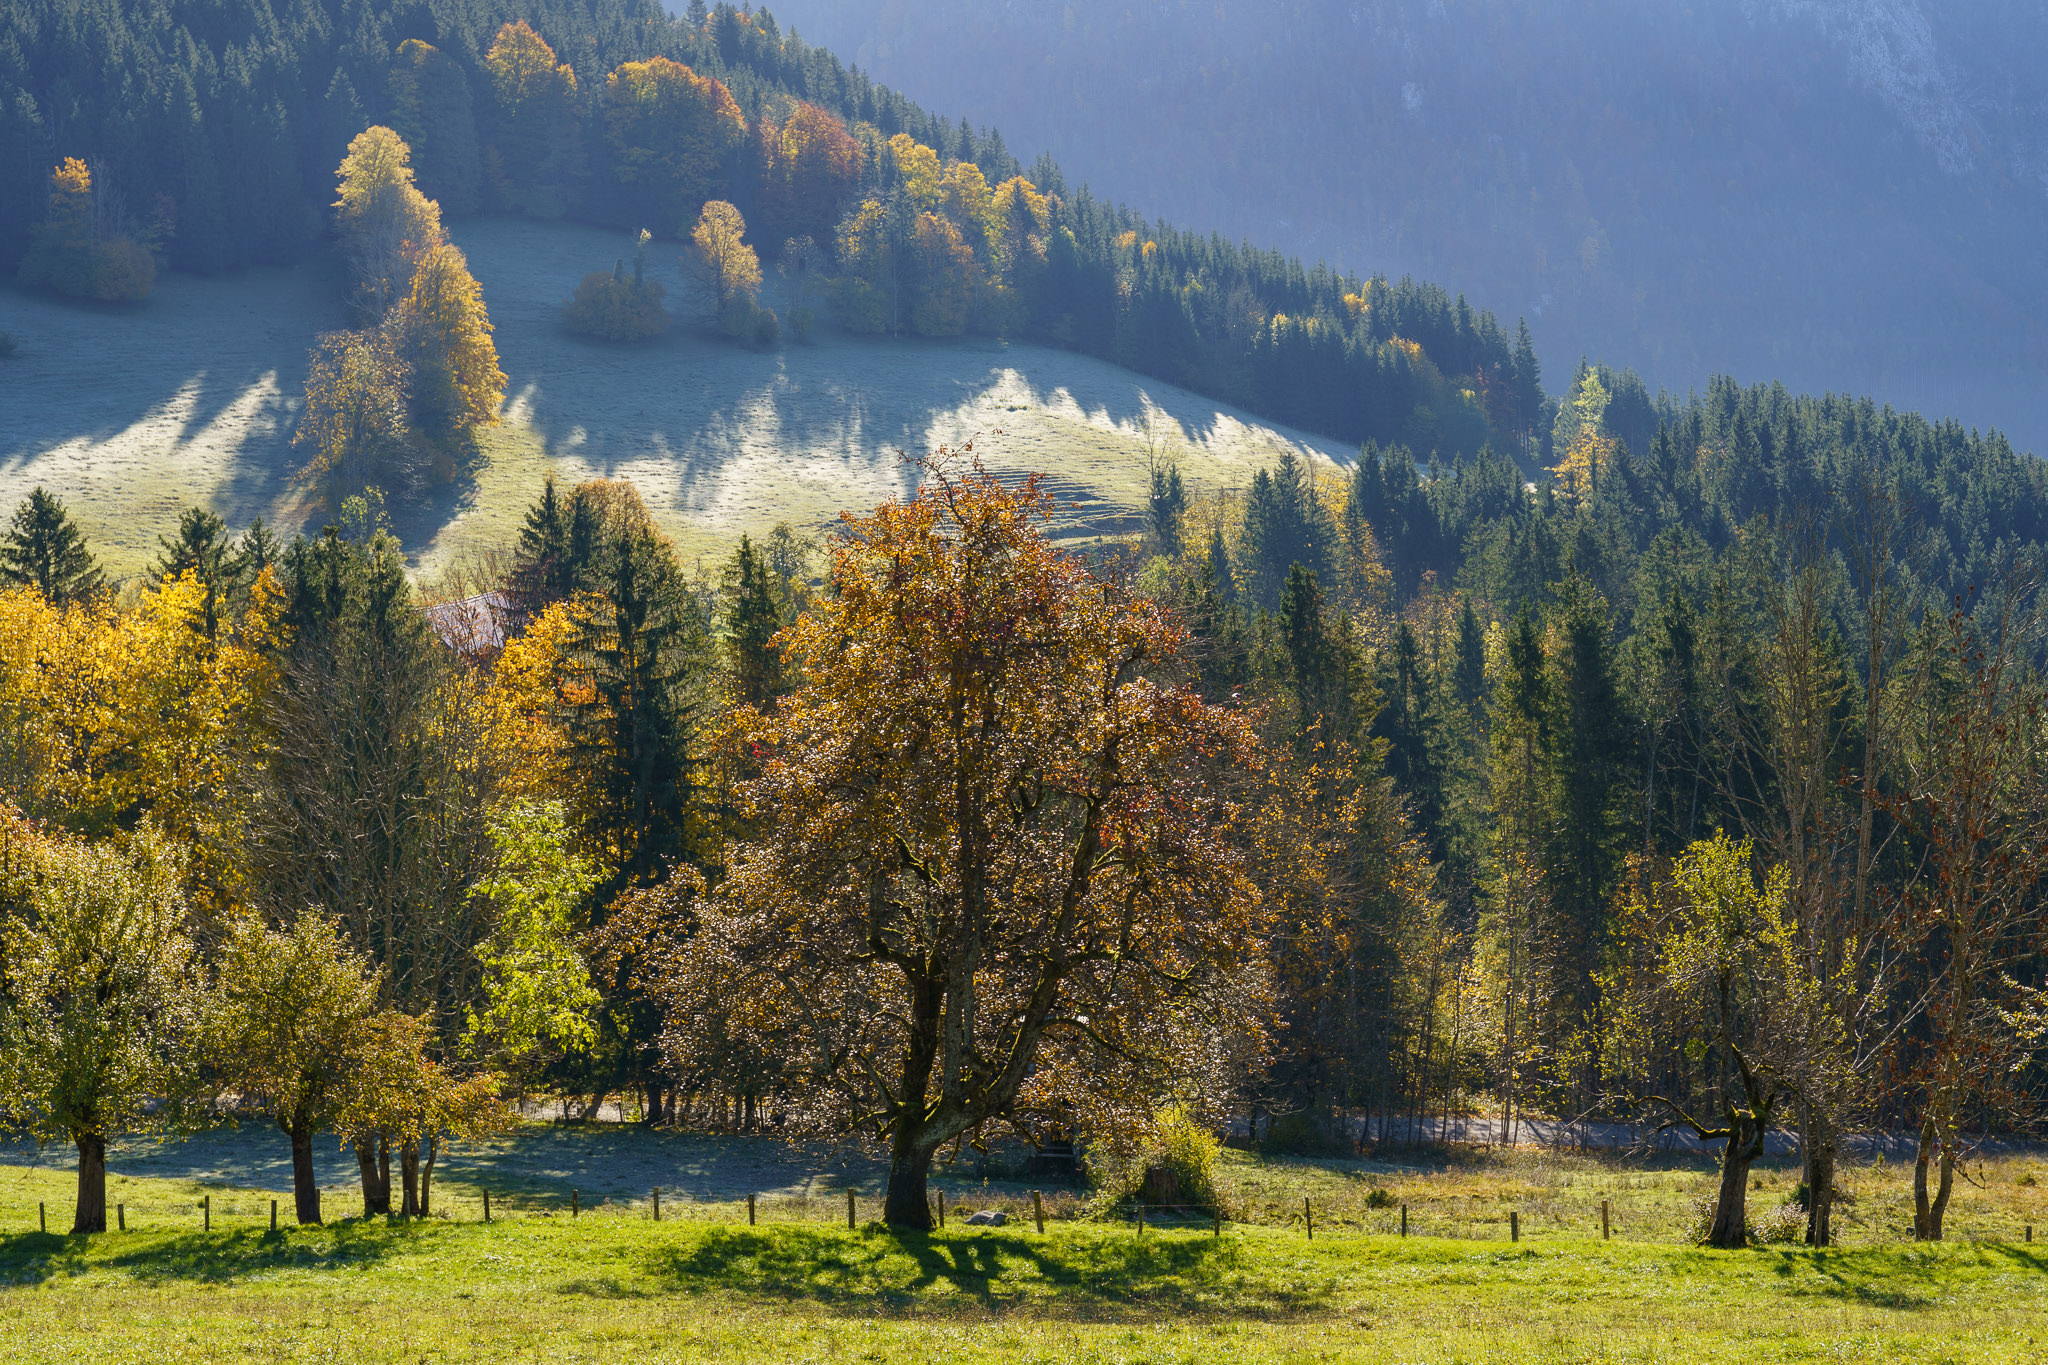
column 638, row 656
column 752, row 618
column 202, row 548
column 542, row 571
column 46, row 551
column 1165, row 507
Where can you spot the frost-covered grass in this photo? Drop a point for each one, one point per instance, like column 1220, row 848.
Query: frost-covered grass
column 131, row 414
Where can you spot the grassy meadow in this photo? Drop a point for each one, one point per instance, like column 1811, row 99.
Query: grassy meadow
column 131, row 414
column 701, row 1285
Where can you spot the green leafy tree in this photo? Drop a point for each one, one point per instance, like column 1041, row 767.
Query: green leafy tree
column 536, row 995
column 287, row 1030
column 99, row 999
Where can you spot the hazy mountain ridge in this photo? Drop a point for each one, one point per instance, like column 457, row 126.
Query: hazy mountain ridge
column 1845, row 194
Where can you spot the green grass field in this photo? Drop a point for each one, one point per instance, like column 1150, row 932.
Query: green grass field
column 132, row 414
column 613, row 1284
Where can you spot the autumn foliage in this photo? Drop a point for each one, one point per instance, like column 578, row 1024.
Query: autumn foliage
column 996, row 883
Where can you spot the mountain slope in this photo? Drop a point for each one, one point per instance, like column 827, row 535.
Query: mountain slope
column 1843, row 194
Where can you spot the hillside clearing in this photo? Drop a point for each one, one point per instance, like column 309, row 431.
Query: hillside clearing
column 130, row 415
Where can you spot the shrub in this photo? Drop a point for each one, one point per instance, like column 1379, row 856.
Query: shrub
column 613, row 307
column 1174, row 1163
column 801, row 321
column 1379, row 1197
column 1784, row 1224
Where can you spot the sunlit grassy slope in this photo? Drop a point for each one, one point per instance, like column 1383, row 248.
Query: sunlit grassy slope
column 700, row 1285
column 132, row 414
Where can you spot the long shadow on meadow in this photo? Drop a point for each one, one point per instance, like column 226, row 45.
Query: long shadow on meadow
column 209, row 1258
column 1107, row 1277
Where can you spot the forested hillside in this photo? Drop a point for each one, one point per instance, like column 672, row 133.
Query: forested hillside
column 1845, row 195
column 212, row 136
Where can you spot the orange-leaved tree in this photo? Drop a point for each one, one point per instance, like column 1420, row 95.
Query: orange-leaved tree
column 810, row 170
column 997, row 880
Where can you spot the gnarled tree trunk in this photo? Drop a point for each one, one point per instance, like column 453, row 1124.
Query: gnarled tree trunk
column 1820, row 1150
column 373, row 1158
column 1730, row 1230
column 305, row 1184
column 409, row 1176
column 92, row 1183
column 1928, row 1214
column 907, row 1204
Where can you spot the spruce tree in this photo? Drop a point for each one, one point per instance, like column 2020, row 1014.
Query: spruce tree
column 256, row 551
column 542, row 572
column 202, row 549
column 46, row 551
column 1168, row 502
column 639, row 653
column 752, row 618
column 1470, row 676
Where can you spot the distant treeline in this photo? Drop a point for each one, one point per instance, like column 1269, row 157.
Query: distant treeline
column 218, row 128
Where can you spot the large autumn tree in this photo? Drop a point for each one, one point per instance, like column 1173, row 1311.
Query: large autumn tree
column 996, row 883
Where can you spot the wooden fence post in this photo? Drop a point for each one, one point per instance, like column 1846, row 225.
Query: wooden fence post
column 1141, row 1220
column 1217, row 1214
column 121, row 1216
column 750, row 1210
column 1404, row 1220
column 273, row 1215
column 1514, row 1226
column 657, row 1203
column 575, row 1205
column 206, row 1212
column 849, row 1210
column 1605, row 1229
column 1308, row 1218
column 487, row 1206
column 942, row 1208
column 2030, row 1232
column 42, row 1219
column 1038, row 1210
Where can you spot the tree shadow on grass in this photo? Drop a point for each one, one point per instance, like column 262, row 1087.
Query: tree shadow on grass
column 882, row 1270
column 1896, row 1278
column 207, row 1258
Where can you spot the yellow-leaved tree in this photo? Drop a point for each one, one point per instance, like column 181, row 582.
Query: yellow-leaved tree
column 386, row 224
column 727, row 271
column 115, row 715
column 443, row 333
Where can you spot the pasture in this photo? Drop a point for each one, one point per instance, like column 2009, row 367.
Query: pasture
column 538, row 1284
column 132, row 414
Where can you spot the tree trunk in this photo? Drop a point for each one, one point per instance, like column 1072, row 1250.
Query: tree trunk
column 1730, row 1231
column 92, row 1183
column 409, row 1175
column 652, row 1118
column 305, row 1185
column 427, row 1175
column 1820, row 1179
column 373, row 1158
column 910, row 1162
column 1928, row 1214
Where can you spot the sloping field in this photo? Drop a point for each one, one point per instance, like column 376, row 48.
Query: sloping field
column 130, row 415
